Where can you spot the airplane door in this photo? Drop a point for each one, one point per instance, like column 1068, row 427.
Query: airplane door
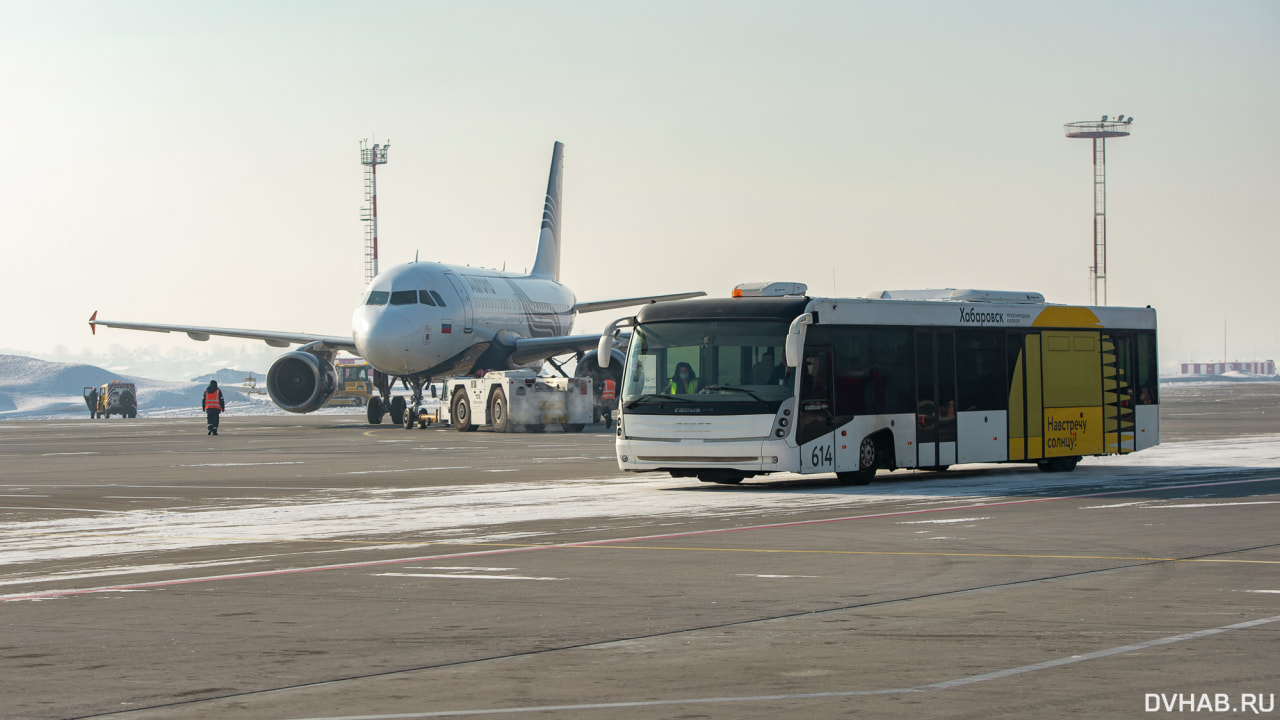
column 461, row 289
column 935, row 398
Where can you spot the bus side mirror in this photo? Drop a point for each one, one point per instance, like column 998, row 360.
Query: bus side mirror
column 795, row 339
column 602, row 350
column 603, row 354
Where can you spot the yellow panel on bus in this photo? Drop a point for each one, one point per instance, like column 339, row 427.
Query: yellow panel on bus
column 1073, row 431
column 1072, row 364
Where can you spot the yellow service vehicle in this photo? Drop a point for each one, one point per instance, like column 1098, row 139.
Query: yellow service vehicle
column 355, row 383
column 113, row 398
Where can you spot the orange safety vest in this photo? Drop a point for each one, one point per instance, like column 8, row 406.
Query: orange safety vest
column 211, row 401
column 610, row 391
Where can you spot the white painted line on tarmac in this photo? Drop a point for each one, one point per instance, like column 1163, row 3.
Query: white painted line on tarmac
column 942, row 522
column 405, row 470
column 944, row 685
column 288, row 462
column 138, row 497
column 465, row 576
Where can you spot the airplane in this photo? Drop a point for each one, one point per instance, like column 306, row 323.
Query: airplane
column 421, row 321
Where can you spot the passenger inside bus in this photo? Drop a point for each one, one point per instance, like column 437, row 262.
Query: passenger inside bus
column 766, row 371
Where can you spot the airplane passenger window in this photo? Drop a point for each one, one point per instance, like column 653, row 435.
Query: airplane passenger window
column 404, row 297
column 424, row 297
column 439, row 300
column 377, row 297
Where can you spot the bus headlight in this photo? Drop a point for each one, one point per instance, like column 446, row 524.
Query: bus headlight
column 780, row 432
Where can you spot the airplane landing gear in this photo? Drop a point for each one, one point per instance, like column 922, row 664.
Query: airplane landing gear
column 382, row 403
column 415, row 412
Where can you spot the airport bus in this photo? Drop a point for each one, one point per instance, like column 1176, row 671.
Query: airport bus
column 771, row 380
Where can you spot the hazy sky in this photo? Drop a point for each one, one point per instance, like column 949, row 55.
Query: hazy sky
column 198, row 163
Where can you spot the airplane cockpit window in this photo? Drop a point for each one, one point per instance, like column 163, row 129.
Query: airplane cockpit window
column 424, row 297
column 377, row 297
column 439, row 300
column 404, row 297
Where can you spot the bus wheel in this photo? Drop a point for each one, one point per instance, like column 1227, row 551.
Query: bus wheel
column 868, row 459
column 573, row 427
column 721, row 477
column 498, row 415
column 462, row 413
column 1059, row 464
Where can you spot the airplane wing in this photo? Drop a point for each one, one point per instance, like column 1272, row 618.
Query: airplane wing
column 628, row 302
column 196, row 332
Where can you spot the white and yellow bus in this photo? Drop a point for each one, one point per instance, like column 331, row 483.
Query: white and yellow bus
column 774, row 381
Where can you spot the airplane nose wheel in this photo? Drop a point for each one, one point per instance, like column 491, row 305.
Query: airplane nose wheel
column 415, row 414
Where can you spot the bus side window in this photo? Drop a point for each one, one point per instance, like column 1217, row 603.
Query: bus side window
column 1148, row 370
column 815, row 382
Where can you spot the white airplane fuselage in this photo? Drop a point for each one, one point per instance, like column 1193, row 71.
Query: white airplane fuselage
column 434, row 319
column 424, row 321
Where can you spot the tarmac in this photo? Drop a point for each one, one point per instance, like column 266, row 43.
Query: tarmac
column 318, row 567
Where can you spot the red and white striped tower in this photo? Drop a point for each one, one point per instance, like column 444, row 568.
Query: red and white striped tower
column 371, row 158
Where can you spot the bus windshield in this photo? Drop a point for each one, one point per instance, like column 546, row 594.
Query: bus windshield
column 719, row 366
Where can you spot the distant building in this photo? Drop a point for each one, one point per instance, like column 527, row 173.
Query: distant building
column 1259, row 367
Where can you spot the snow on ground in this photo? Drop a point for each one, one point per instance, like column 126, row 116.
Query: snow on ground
column 32, row 389
column 474, row 513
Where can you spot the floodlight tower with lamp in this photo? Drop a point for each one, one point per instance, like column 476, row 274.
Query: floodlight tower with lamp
column 371, row 158
column 1099, row 131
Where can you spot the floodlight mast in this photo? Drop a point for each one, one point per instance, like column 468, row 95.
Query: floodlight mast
column 1099, row 131
column 371, row 158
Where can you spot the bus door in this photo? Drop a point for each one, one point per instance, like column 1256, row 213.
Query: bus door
column 1026, row 397
column 815, row 426
column 461, row 288
column 1119, row 396
column 935, row 398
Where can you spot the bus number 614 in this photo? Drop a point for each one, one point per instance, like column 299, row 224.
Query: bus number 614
column 821, row 455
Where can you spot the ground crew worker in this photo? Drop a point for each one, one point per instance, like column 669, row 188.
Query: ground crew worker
column 608, row 396
column 213, row 405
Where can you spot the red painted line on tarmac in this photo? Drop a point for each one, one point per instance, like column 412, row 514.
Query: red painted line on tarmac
column 593, row 543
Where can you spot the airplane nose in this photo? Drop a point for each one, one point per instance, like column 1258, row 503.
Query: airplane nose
column 385, row 339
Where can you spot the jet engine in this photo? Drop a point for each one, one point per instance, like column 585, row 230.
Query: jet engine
column 301, row 381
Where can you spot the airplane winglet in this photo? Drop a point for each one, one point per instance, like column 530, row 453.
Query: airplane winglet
column 93, row 328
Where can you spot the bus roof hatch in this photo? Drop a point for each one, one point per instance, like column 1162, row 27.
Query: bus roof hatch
column 770, row 289
column 963, row 295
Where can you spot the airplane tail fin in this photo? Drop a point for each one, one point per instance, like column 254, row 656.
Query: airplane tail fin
column 547, row 264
